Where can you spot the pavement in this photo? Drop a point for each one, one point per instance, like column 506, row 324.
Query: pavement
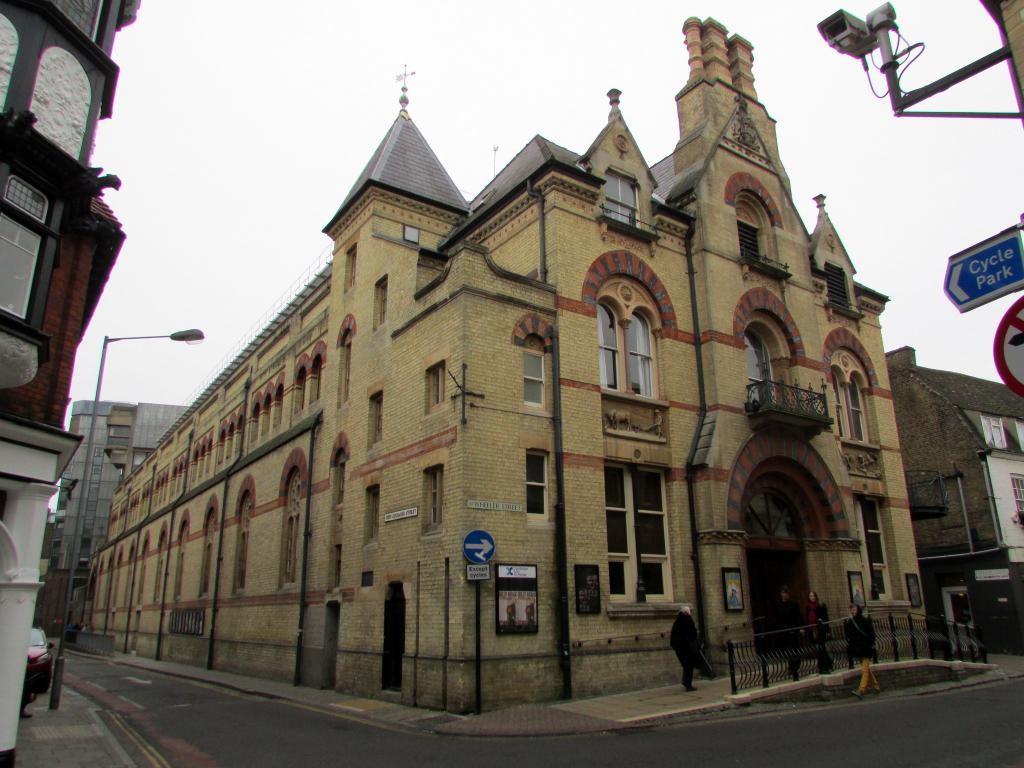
column 75, row 736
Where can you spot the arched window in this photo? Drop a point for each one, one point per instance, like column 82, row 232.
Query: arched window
column 242, row 540
column 626, row 332
column 640, row 369
column 338, row 484
column 254, row 425
column 265, row 416
column 758, row 361
column 278, row 405
column 848, row 394
column 179, row 571
column 608, row 338
column 160, row 552
column 344, row 366
column 204, row 571
column 314, row 379
column 753, row 229
column 768, row 514
column 231, row 439
column 299, row 391
column 220, row 445
column 142, row 571
column 290, row 529
column 114, row 575
column 128, row 578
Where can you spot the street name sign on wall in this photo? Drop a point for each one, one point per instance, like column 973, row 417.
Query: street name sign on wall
column 986, row 271
column 1008, row 347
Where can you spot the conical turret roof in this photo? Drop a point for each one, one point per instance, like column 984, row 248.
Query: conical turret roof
column 405, row 163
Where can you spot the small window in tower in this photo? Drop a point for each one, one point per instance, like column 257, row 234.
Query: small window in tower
column 380, row 302
column 410, row 234
column 835, row 279
column 620, row 198
column 749, row 248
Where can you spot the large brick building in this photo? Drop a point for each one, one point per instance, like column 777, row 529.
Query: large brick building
column 649, row 383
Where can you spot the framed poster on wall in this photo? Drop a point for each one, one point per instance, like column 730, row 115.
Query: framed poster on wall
column 732, row 589
column 515, row 592
column 588, row 588
column 914, row 590
column 855, row 580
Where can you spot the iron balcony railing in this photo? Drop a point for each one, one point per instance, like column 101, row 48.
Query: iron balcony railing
column 774, row 396
column 627, row 216
column 794, row 654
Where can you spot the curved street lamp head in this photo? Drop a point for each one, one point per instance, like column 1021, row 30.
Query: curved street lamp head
column 191, row 336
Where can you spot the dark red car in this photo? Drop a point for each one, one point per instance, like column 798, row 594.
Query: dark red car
column 40, row 662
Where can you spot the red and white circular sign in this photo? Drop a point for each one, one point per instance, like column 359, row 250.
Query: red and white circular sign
column 1009, row 347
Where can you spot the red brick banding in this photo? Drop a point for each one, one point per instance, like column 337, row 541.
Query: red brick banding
column 841, row 338
column 745, row 182
column 762, row 300
column 532, row 324
column 625, row 263
column 779, row 460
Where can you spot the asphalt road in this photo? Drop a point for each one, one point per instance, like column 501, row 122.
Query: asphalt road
column 167, row 721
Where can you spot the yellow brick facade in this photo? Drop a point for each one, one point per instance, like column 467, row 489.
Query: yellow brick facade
column 481, row 290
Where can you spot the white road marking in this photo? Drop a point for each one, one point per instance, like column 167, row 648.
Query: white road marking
column 139, row 681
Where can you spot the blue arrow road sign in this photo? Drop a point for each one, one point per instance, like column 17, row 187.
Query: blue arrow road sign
column 986, row 271
column 478, row 546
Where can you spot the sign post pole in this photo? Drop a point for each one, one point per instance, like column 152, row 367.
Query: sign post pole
column 479, row 694
column 478, row 549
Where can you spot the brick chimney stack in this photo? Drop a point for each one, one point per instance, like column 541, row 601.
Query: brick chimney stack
column 714, row 56
column 741, row 60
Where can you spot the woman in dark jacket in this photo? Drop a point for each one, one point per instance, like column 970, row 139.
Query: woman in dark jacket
column 860, row 640
column 684, row 642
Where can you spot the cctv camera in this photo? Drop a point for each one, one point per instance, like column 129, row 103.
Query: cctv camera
column 848, row 34
column 883, row 17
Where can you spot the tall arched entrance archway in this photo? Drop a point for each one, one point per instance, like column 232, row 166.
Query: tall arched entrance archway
column 782, row 496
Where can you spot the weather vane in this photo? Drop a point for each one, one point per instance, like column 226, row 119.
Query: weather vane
column 404, row 79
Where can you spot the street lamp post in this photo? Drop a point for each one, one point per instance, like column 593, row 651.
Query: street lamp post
column 190, row 336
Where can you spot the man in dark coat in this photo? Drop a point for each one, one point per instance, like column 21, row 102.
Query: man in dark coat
column 788, row 620
column 684, row 643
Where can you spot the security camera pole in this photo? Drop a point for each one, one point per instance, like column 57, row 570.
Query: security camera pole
column 853, row 37
column 191, row 336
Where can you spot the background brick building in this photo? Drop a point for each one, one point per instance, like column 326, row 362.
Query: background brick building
column 963, row 444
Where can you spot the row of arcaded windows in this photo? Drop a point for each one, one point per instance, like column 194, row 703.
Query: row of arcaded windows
column 289, row 552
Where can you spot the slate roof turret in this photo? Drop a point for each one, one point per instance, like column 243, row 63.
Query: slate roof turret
column 405, row 163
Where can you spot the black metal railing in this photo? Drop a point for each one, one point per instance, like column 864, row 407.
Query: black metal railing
column 767, row 395
column 623, row 215
column 794, row 654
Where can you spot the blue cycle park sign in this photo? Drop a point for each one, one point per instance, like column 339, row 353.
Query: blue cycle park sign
column 986, row 271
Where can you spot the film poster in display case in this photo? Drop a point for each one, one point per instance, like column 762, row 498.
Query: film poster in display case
column 516, row 599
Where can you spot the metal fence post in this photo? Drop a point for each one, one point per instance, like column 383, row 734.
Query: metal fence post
column 895, row 640
column 956, row 639
column 764, row 669
column 913, row 635
column 732, row 665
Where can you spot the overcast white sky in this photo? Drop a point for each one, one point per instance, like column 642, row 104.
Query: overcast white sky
column 239, row 127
